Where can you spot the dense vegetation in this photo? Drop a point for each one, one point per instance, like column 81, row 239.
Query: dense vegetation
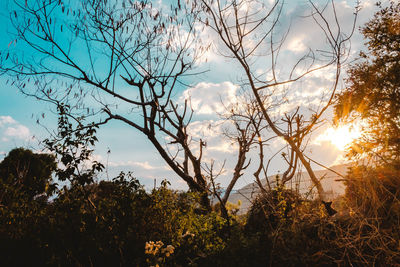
column 117, row 223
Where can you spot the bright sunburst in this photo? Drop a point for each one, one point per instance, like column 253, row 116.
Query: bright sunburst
column 340, row 136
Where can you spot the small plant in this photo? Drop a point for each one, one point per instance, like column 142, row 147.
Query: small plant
column 157, row 255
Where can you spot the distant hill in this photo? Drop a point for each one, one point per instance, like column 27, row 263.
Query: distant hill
column 331, row 181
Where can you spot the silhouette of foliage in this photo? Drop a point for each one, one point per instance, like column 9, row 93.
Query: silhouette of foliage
column 27, row 174
column 373, row 89
column 373, row 95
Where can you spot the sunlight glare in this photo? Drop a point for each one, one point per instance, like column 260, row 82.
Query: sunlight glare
column 341, row 136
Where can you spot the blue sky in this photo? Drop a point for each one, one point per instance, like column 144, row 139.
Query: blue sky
column 130, row 150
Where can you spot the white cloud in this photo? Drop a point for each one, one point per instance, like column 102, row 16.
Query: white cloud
column 10, row 128
column 224, row 146
column 97, row 157
column 297, row 45
column 210, row 98
column 213, row 133
column 205, row 128
column 144, row 165
column 6, row 120
column 19, row 131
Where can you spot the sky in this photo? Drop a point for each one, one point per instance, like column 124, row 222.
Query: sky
column 131, row 151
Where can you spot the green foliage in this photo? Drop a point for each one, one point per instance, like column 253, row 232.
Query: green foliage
column 373, row 89
column 373, row 95
column 72, row 145
column 282, row 229
column 372, row 185
column 272, row 209
column 26, row 175
column 307, row 237
column 109, row 223
column 105, row 223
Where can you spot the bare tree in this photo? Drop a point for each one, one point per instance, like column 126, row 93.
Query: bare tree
column 124, row 61
column 250, row 32
column 244, row 124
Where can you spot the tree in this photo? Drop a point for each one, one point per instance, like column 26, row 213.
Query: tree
column 143, row 50
column 73, row 146
column 27, row 174
column 248, row 30
column 372, row 94
column 372, row 97
column 149, row 52
column 148, row 56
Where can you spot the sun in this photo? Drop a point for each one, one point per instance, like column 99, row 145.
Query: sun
column 341, row 136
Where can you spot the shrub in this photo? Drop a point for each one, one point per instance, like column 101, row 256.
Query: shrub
column 375, row 192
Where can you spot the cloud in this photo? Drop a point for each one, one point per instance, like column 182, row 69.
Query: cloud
column 11, row 129
column 143, row 165
column 224, row 146
column 210, row 98
column 19, row 131
column 297, row 45
column 6, row 120
column 213, row 133
column 147, row 172
column 205, row 128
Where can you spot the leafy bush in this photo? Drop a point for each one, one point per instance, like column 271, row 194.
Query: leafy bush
column 107, row 224
column 24, row 174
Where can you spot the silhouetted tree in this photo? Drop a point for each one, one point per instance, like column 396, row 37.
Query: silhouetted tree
column 248, row 33
column 372, row 95
column 26, row 173
column 115, row 60
column 125, row 61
